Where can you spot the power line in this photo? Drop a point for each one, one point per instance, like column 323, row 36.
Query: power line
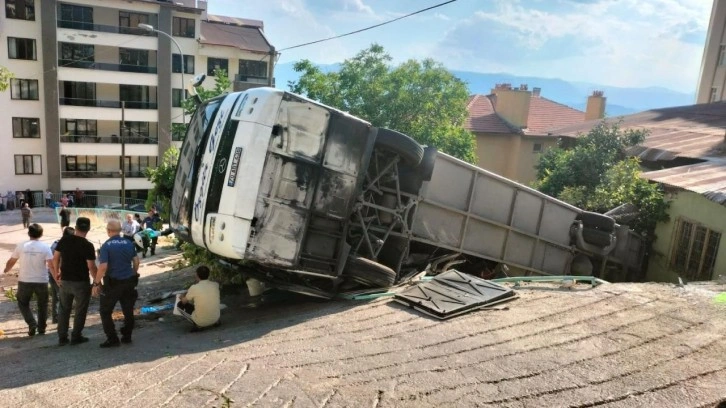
column 368, row 28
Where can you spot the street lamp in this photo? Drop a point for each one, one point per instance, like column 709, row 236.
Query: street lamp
column 151, row 29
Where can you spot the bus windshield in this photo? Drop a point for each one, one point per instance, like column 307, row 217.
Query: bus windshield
column 189, row 158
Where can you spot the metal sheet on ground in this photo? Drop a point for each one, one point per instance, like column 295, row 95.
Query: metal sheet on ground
column 453, row 293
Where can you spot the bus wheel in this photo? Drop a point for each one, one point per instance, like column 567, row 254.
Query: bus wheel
column 369, row 273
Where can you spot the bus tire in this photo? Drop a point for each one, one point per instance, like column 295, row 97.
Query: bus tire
column 596, row 237
column 598, row 221
column 369, row 273
column 408, row 149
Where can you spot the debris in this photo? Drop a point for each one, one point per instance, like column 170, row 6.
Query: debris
column 453, row 293
column 156, row 309
column 720, row 298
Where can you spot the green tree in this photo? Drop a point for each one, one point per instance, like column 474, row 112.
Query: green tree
column 419, row 98
column 222, row 85
column 5, row 77
column 162, row 177
column 595, row 174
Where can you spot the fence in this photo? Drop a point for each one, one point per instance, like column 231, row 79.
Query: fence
column 12, row 200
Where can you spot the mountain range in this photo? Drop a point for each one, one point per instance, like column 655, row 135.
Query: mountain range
column 620, row 100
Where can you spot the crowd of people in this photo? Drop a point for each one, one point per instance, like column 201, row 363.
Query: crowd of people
column 71, row 271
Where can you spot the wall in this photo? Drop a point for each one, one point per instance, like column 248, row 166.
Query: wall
column 694, row 207
column 713, row 75
column 510, row 155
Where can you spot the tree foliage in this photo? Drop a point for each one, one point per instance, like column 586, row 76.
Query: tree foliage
column 419, row 98
column 596, row 175
column 5, row 77
column 162, row 177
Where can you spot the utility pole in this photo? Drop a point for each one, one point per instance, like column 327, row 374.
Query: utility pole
column 271, row 68
column 123, row 155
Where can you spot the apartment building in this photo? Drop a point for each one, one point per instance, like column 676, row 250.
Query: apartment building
column 712, row 82
column 78, row 62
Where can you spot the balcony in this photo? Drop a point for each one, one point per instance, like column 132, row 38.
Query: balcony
column 101, row 174
column 106, row 66
column 80, row 25
column 106, row 104
column 138, row 139
column 245, row 82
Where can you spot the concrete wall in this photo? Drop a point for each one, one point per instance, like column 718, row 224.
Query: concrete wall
column 695, row 208
column 511, row 155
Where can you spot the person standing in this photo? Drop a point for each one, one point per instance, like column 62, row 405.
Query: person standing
column 35, row 261
column 116, row 282
column 27, row 214
column 64, row 200
column 65, row 217
column 200, row 305
column 48, row 198
column 152, row 222
column 54, row 288
column 78, row 259
column 21, row 199
column 79, row 197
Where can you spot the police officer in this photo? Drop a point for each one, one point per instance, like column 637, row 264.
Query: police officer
column 118, row 270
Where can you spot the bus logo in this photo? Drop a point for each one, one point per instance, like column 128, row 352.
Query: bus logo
column 235, row 165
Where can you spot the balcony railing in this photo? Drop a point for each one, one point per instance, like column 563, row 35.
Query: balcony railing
column 135, row 139
column 101, row 174
column 250, row 79
column 106, row 104
column 105, row 66
column 80, row 25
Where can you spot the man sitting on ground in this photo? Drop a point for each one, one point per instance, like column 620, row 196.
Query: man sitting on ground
column 200, row 305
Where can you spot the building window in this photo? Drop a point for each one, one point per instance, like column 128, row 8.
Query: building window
column 78, row 17
column 176, row 97
column 131, row 56
column 28, row 164
column 26, row 127
column 21, row 48
column 537, row 148
column 722, row 55
column 20, row 9
column 182, row 27
column 82, row 92
column 188, row 64
column 76, row 52
column 81, row 163
column 128, row 22
column 135, row 132
column 24, row 89
column 714, row 95
column 253, row 69
column 216, row 63
column 694, row 250
column 81, row 127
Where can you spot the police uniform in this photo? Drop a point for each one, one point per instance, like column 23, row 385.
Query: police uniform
column 119, row 285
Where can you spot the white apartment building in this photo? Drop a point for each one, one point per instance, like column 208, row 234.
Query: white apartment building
column 76, row 61
column 712, row 83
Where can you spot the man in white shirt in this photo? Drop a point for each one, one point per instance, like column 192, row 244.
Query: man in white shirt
column 200, row 305
column 35, row 261
column 130, row 227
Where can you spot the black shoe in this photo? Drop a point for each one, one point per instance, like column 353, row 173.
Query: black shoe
column 196, row 329
column 153, row 252
column 126, row 339
column 41, row 331
column 31, row 331
column 79, row 340
column 110, row 343
column 63, row 341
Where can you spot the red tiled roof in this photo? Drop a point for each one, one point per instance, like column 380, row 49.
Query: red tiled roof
column 544, row 115
column 695, row 131
column 483, row 119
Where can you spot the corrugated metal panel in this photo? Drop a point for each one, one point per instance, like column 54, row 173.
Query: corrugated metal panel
column 707, row 178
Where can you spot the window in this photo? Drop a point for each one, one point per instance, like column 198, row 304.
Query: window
column 714, row 95
column 694, row 250
column 79, row 17
column 255, row 69
column 537, row 148
column 80, row 90
column 182, row 27
column 81, row 127
column 722, row 55
column 135, row 132
column 20, row 9
column 28, row 164
column 188, row 64
column 26, row 127
column 128, row 22
column 24, row 89
column 133, row 93
column 216, row 63
column 21, row 48
column 130, row 56
column 135, row 166
column 81, row 163
column 176, row 97
column 76, row 52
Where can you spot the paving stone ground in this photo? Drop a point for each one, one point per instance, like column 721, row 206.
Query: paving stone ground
column 618, row 345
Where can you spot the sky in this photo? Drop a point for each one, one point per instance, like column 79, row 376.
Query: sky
column 629, row 43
